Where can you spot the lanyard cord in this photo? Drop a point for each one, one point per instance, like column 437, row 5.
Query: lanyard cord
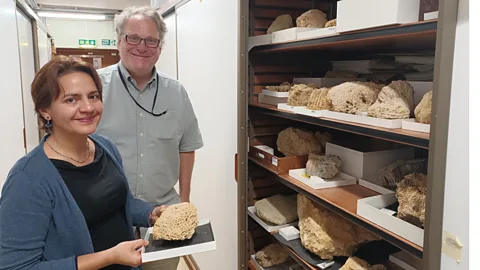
column 140, row 106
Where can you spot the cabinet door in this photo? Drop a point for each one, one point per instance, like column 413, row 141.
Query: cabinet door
column 11, row 144
column 27, row 68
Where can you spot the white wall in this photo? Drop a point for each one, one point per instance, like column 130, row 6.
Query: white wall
column 456, row 214
column 11, row 144
column 66, row 33
column 167, row 63
column 44, row 47
column 207, row 66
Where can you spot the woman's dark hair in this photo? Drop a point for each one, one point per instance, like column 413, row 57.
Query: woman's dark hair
column 45, row 86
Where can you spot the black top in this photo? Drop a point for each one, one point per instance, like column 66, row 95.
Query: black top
column 101, row 194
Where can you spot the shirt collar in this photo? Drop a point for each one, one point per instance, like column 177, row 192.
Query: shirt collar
column 127, row 75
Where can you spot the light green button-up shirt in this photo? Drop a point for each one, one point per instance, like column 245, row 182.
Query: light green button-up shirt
column 150, row 145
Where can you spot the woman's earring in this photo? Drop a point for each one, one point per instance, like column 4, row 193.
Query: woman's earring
column 48, row 124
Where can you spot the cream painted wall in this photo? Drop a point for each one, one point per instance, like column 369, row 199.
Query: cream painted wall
column 66, row 33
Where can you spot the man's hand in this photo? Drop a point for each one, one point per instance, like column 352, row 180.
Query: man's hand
column 156, row 212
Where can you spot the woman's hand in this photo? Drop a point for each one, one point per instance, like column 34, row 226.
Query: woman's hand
column 128, row 252
column 156, row 213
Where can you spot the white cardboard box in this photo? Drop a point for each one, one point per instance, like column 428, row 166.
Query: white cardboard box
column 182, row 248
column 271, row 100
column 315, row 182
column 289, row 34
column 259, row 40
column 325, row 82
column 289, row 233
column 355, row 15
column 274, row 94
column 416, row 126
column 252, row 212
column 374, row 187
column 370, row 208
column 365, row 165
column 322, row 32
column 366, row 120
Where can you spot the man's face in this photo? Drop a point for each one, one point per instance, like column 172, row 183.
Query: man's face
column 139, row 59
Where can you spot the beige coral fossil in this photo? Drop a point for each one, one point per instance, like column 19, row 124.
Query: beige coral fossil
column 297, row 142
column 177, row 222
column 355, row 263
column 299, row 94
column 271, row 255
column 277, row 209
column 318, row 100
column 326, row 234
column 314, row 18
column 324, row 166
column 280, row 23
column 395, row 101
column 284, row 87
column 423, row 111
column 331, row 23
column 353, row 97
column 411, row 194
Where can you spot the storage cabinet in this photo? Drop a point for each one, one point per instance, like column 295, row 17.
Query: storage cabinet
column 383, row 48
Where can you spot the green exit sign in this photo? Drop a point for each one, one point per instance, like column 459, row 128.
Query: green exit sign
column 109, row 42
column 87, row 42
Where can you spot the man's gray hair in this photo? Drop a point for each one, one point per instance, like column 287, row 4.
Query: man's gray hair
column 146, row 11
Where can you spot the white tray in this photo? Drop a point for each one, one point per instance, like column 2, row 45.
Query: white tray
column 370, row 208
column 252, row 212
column 318, row 33
column 289, row 34
column 308, row 112
column 286, row 107
column 416, row 126
column 374, row 187
column 274, row 94
column 315, row 182
column 203, row 240
column 366, row 120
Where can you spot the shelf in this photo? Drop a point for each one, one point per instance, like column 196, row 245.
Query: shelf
column 343, row 201
column 397, row 37
column 412, row 138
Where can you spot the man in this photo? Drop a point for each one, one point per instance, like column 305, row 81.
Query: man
column 149, row 116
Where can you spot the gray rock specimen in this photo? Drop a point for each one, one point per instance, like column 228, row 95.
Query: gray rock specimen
column 323, row 166
column 277, row 209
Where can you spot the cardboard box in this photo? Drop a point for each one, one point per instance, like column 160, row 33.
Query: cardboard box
column 280, row 165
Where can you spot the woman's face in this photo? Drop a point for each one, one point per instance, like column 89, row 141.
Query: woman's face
column 78, row 108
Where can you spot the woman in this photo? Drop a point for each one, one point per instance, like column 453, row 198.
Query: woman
column 67, row 204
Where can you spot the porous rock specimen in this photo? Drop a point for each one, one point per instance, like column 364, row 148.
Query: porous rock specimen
column 423, row 111
column 331, row 23
column 411, row 194
column 297, row 142
column 271, row 255
column 323, row 138
column 324, row 166
column 280, row 23
column 318, row 99
column 313, row 18
column 393, row 173
column 299, row 94
column 395, row 101
column 325, row 233
column 284, row 87
column 177, row 222
column 355, row 263
column 353, row 97
column 277, row 209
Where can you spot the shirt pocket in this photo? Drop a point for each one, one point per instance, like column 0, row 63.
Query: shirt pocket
column 164, row 127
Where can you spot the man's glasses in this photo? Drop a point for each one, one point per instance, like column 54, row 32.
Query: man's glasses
column 135, row 40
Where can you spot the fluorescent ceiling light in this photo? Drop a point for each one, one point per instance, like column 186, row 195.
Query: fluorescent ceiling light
column 65, row 15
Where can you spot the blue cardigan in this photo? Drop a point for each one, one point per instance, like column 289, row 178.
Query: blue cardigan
column 41, row 225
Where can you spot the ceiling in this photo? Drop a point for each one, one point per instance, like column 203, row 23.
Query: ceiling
column 94, row 4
